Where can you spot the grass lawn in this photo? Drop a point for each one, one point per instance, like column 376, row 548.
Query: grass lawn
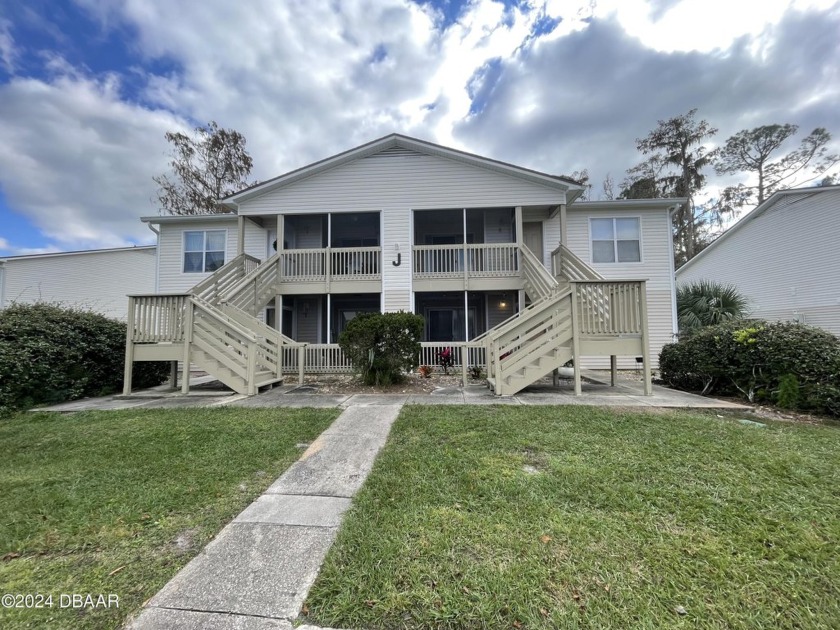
column 625, row 520
column 117, row 502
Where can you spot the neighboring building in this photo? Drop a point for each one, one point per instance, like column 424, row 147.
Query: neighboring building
column 98, row 280
column 783, row 257
column 403, row 224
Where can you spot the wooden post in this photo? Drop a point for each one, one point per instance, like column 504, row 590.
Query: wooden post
column 301, row 358
column 576, row 340
column 464, row 361
column 129, row 348
column 555, row 377
column 188, row 335
column 240, row 235
column 251, row 373
column 173, row 374
column 645, row 339
column 613, row 369
column 564, row 239
column 327, row 268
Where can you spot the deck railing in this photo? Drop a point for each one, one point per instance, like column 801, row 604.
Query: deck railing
column 480, row 260
column 328, row 358
column 157, row 318
column 355, row 263
column 331, row 263
column 610, row 307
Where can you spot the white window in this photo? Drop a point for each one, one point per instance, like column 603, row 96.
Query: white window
column 204, row 250
column 616, row 240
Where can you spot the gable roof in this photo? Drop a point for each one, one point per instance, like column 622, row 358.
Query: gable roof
column 756, row 212
column 392, row 141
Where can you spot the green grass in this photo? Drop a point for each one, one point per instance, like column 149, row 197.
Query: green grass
column 117, row 502
column 629, row 517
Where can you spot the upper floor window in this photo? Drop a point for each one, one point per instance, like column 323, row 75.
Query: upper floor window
column 616, row 240
column 204, row 250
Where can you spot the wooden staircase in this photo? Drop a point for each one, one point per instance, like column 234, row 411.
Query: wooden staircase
column 214, row 326
column 538, row 339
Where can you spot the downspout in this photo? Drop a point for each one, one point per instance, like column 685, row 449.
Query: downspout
column 157, row 257
column 675, row 329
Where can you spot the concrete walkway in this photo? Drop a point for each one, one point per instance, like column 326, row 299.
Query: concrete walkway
column 595, row 392
column 257, row 572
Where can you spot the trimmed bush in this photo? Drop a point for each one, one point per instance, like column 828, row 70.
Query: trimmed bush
column 383, row 346
column 50, row 354
column 784, row 363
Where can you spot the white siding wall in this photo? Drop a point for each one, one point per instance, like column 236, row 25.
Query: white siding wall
column 171, row 276
column 402, row 180
column 655, row 268
column 786, row 260
column 95, row 280
column 396, row 281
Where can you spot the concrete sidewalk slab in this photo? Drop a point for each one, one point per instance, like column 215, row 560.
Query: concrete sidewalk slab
column 364, row 421
column 168, row 618
column 256, row 569
column 278, row 399
column 334, row 465
column 367, row 400
column 257, row 572
column 284, row 509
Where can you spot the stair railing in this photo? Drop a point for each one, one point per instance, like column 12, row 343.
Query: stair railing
column 225, row 277
column 252, row 292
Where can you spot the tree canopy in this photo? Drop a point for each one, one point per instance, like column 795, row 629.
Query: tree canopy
column 207, row 166
column 753, row 150
column 677, row 158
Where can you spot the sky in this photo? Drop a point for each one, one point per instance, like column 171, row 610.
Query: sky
column 88, row 88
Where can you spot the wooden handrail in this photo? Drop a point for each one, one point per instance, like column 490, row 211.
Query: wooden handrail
column 208, row 309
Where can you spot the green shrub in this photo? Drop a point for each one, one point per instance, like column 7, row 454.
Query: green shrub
column 751, row 359
column 788, row 395
column 382, row 346
column 49, row 354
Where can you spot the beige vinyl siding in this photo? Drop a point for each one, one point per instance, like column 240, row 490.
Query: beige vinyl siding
column 655, row 268
column 785, row 260
column 171, row 276
column 97, row 280
column 402, row 180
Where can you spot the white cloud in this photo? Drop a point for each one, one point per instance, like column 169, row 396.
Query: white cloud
column 78, row 161
column 8, row 53
column 304, row 80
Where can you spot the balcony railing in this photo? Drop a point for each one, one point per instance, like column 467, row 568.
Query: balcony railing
column 482, row 260
column 331, row 264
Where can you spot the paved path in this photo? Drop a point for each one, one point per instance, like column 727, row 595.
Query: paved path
column 595, row 392
column 257, row 572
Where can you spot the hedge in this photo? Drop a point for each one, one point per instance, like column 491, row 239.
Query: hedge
column 792, row 365
column 49, row 354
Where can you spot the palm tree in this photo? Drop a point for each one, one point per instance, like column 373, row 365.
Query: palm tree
column 705, row 303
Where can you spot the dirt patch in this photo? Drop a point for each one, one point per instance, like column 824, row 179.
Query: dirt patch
column 349, row 384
